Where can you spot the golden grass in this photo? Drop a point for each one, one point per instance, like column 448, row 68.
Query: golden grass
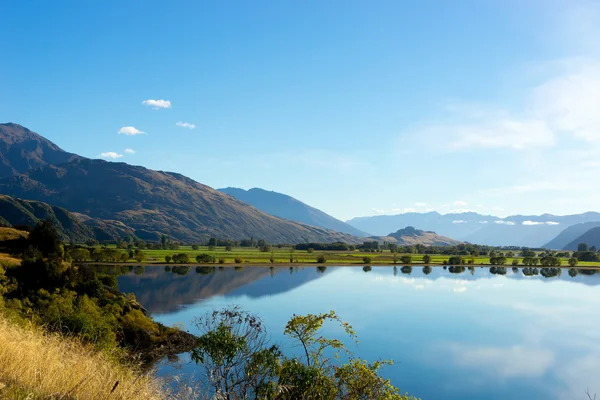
column 11, row 233
column 7, row 260
column 36, row 365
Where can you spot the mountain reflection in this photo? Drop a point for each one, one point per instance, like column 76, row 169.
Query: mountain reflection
column 163, row 290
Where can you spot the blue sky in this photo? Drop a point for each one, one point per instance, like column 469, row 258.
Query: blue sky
column 355, row 107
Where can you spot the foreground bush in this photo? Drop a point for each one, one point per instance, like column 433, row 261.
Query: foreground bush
column 238, row 361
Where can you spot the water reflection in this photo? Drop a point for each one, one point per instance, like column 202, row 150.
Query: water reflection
column 455, row 333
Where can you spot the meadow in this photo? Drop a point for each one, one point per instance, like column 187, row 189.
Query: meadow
column 287, row 255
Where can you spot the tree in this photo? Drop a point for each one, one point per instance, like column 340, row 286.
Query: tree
column 573, row 261
column 195, row 247
column 367, row 260
column 426, row 259
column 46, row 239
column 406, row 259
column 582, row 247
column 322, row 259
column 168, row 259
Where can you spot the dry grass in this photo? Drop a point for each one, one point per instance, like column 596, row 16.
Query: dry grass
column 6, row 260
column 36, row 365
column 11, row 233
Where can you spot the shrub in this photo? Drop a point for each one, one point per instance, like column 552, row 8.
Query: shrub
column 406, row 259
column 204, row 258
column 426, row 259
column 238, row 260
column 322, row 259
column 221, row 260
column 310, row 250
column 168, row 259
column 367, row 260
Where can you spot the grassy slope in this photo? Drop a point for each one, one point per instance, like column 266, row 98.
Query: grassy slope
column 35, row 365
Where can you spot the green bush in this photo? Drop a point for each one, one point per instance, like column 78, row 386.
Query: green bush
column 367, row 260
column 322, row 259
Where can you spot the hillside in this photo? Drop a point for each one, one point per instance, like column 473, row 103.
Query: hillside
column 570, row 234
column 287, row 207
column 69, row 225
column 155, row 202
column 515, row 230
column 410, row 236
column 22, row 149
column 591, row 237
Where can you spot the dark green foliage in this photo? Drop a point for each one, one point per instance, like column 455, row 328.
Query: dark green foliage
column 45, row 238
column 407, row 269
column 406, row 259
column 367, row 260
column 455, row 260
column 367, row 268
column 426, row 259
column 322, row 259
column 456, row 269
column 500, row 260
column 427, row 270
column 204, row 258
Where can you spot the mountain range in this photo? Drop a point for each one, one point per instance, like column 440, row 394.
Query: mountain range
column 515, row 230
column 88, row 198
column 287, row 207
column 149, row 202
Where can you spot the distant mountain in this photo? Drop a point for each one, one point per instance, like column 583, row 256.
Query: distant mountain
column 516, row 230
column 22, row 149
column 570, row 234
column 287, row 207
column 69, row 225
column 410, row 236
column 591, row 237
column 150, row 202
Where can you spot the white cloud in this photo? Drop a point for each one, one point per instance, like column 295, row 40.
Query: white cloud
column 156, row 104
column 420, row 204
column 130, row 131
column 430, row 209
column 552, row 223
column 378, row 210
column 459, row 221
column 502, row 222
column 532, row 223
column 129, row 151
column 460, row 289
column 409, row 210
column 482, row 222
column 185, row 125
column 460, row 203
column 504, row 362
column 110, row 154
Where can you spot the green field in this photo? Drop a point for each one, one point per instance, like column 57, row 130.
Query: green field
column 283, row 255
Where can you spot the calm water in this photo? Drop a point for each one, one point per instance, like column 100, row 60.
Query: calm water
column 452, row 336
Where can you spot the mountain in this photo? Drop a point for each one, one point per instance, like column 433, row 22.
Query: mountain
column 591, row 237
column 410, row 236
column 151, row 202
column 515, row 230
column 22, row 149
column 287, row 207
column 570, row 234
column 69, row 225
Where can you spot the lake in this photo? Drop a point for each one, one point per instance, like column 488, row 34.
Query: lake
column 470, row 335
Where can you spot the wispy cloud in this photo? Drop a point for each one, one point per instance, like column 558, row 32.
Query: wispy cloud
column 130, row 131
column 460, row 203
column 459, row 221
column 420, row 204
column 530, row 223
column 378, row 210
column 502, row 222
column 156, row 104
column 185, row 125
column 129, row 151
column 110, row 154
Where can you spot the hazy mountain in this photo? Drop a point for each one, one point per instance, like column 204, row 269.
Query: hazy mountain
column 570, row 234
column 591, row 237
column 516, row 230
column 69, row 225
column 151, row 202
column 287, row 207
column 22, row 149
column 410, row 236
